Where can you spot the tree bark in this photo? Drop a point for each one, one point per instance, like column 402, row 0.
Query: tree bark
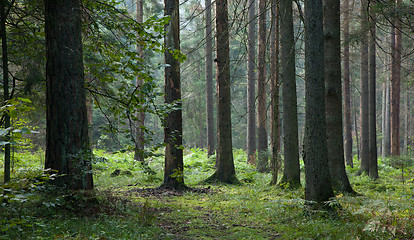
column 251, row 81
column 262, row 161
column 373, row 161
column 347, row 90
column 209, row 81
column 364, row 90
column 140, row 139
column 274, row 70
column 6, row 94
column 291, row 171
column 225, row 165
column 333, row 96
column 173, row 129
column 67, row 142
column 396, row 47
column 318, row 186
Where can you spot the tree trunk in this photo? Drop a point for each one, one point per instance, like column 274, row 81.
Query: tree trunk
column 173, row 129
column 364, row 90
column 262, row 161
column 274, row 69
column 373, row 161
column 396, row 47
column 225, row 164
column 347, row 90
column 318, row 186
column 291, row 171
column 251, row 80
column 67, row 142
column 406, row 124
column 209, row 81
column 140, row 139
column 333, row 96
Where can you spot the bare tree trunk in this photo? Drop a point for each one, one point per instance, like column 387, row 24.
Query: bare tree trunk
column 262, row 161
column 396, row 47
column 67, row 139
column 140, row 139
column 291, row 171
column 225, row 163
column 318, row 186
column 406, row 124
column 274, row 68
column 251, row 80
column 209, row 81
column 364, row 90
column 6, row 94
column 173, row 129
column 373, row 158
column 333, row 95
column 347, row 90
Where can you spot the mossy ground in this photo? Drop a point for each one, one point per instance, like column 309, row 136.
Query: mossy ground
column 131, row 206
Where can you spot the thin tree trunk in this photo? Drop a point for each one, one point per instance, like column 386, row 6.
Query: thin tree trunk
column 406, row 124
column 67, row 141
column 5, row 62
column 347, row 90
column 140, row 140
column 395, row 86
column 274, row 69
column 262, row 161
column 173, row 129
column 291, row 171
column 251, row 81
column 318, row 186
column 364, row 90
column 383, row 120
column 209, row 81
column 333, row 96
column 373, row 161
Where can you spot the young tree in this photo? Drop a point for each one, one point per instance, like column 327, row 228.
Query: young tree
column 318, row 186
column 291, row 171
column 333, row 95
column 67, row 142
column 209, row 80
column 262, row 161
column 173, row 129
column 224, row 162
column 347, row 89
column 373, row 162
column 251, row 81
column 364, row 89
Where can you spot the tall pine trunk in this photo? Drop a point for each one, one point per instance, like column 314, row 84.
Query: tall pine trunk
column 262, row 161
column 291, row 171
column 333, row 95
column 251, row 81
column 140, row 139
column 209, row 81
column 364, row 89
column 318, row 186
column 173, row 129
column 373, row 161
column 6, row 94
column 347, row 89
column 396, row 47
column 274, row 73
column 225, row 164
column 67, row 141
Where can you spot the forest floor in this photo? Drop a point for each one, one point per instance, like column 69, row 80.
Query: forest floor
column 130, row 206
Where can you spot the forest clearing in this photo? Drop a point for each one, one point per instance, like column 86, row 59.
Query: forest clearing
column 130, row 206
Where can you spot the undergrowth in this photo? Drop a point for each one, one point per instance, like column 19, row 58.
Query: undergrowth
column 128, row 205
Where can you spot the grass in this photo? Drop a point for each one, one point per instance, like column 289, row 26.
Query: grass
column 129, row 206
